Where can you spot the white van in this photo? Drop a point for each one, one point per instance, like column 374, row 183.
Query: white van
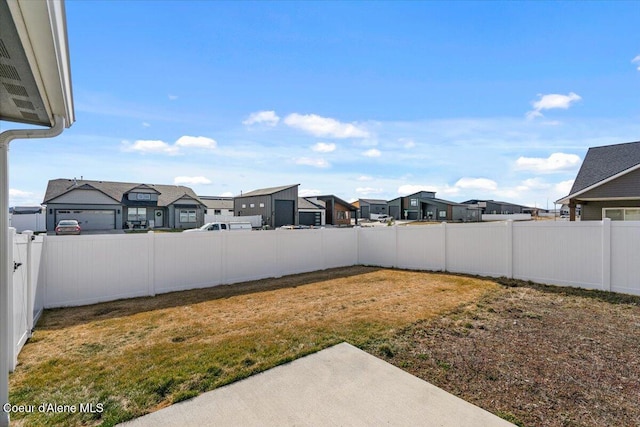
column 223, row 226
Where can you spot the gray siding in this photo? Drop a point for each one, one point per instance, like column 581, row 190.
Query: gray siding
column 592, row 211
column 268, row 211
column 625, row 186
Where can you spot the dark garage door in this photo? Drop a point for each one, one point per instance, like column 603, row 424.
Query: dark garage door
column 90, row 219
column 310, row 218
column 285, row 213
column 394, row 211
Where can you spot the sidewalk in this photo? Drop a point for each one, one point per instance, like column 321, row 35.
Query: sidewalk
column 339, row 386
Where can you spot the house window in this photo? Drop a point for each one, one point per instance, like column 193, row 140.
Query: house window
column 187, row 215
column 252, row 205
column 442, row 214
column 342, row 215
column 621, row 214
column 414, row 202
column 262, row 205
column 142, row 196
column 136, row 214
column 244, row 206
column 216, row 211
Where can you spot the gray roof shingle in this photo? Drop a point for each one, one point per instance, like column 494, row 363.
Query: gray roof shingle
column 167, row 194
column 267, row 191
column 604, row 162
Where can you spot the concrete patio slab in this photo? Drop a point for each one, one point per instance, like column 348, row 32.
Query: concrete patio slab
column 339, row 386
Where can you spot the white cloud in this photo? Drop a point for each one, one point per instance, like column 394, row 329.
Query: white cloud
column 324, row 147
column 191, row 180
column 146, row 125
column 564, row 187
column 556, row 162
column 161, row 147
column 173, row 97
column 374, row 152
column 365, row 191
column 407, row 189
column 324, row 126
column 269, row 118
column 196, row 141
column 19, row 193
column 227, row 194
column 407, row 143
column 364, row 178
column 636, row 60
column 150, row 146
column 316, row 163
column 309, row 192
column 477, row 184
column 552, row 101
column 23, row 198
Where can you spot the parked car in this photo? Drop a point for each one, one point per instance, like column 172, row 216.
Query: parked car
column 384, row 218
column 223, row 226
column 68, row 226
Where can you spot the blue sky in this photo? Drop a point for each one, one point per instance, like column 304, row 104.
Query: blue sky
column 358, row 99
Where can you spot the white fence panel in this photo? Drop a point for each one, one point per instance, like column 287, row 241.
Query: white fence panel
column 421, row 247
column 340, row 247
column 562, row 253
column 95, row 268
column 21, row 310
column 37, row 246
column 299, row 251
column 186, row 260
column 625, row 257
column 481, row 249
column 377, row 246
column 250, row 256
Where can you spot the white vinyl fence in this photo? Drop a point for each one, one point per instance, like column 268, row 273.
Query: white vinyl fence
column 26, row 300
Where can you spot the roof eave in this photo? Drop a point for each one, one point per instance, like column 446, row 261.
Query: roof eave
column 567, row 199
column 42, row 30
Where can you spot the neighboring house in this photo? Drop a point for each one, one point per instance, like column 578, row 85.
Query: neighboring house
column 311, row 211
column 339, row 212
column 498, row 207
column 370, row 207
column 607, row 184
column 424, row 205
column 277, row 205
column 218, row 205
column 106, row 205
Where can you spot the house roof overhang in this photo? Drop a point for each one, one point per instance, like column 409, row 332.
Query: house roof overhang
column 576, row 196
column 35, row 72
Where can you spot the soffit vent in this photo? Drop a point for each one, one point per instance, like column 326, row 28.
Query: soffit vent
column 27, row 105
column 9, row 72
column 4, row 53
column 16, row 90
column 29, row 116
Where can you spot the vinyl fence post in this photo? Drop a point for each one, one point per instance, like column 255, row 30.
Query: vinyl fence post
column 509, row 246
column 444, row 246
column 11, row 347
column 151, row 273
column 606, row 254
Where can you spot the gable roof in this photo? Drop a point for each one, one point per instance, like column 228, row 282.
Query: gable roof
column 606, row 162
column 267, row 191
column 305, row 203
column 167, row 194
column 374, row 201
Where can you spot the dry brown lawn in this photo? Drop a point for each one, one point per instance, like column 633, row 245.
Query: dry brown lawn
column 136, row 356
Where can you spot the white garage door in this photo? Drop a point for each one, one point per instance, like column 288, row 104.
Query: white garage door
column 90, row 219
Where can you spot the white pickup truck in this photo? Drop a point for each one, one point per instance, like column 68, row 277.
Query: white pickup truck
column 223, row 226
